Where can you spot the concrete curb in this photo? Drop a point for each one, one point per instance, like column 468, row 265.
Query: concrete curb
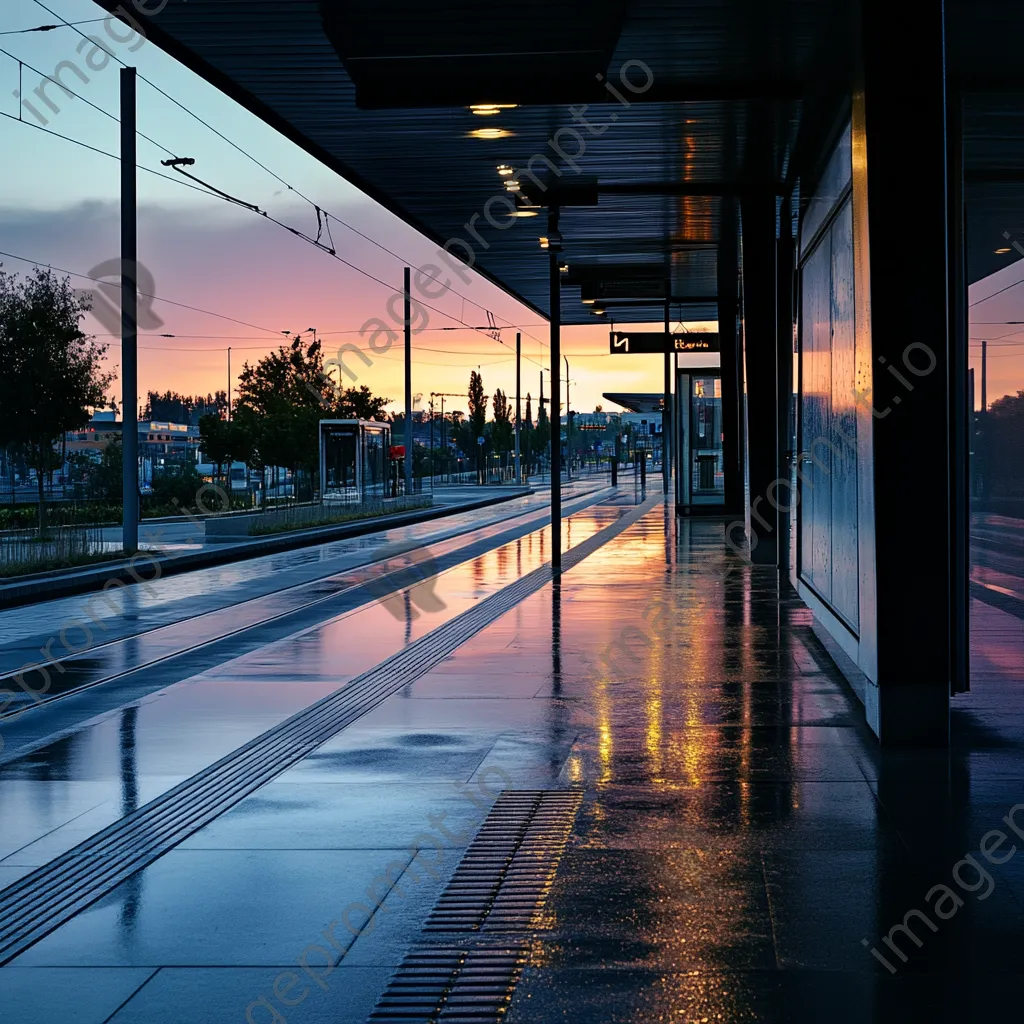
column 65, row 582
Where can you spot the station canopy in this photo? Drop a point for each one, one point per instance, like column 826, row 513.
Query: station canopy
column 716, row 101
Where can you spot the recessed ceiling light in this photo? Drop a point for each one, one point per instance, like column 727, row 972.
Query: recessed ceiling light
column 597, row 311
column 999, row 252
column 587, row 302
column 487, row 109
column 505, row 171
column 525, row 213
column 564, row 268
column 488, row 133
column 512, row 186
column 543, row 241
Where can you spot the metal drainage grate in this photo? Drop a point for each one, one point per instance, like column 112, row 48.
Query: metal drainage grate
column 505, row 875
column 447, row 983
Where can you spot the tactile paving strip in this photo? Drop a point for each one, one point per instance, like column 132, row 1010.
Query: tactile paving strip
column 35, row 905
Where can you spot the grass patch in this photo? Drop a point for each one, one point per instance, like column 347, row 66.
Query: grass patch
column 25, row 567
column 287, row 520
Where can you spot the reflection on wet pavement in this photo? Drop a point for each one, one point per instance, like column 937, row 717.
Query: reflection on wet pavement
column 63, row 791
column 740, row 833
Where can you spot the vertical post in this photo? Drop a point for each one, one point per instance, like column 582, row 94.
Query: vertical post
column 556, row 389
column 666, row 413
column 984, row 376
column 431, row 440
column 408, row 382
column 519, row 352
column 785, row 269
column 129, row 320
column 568, row 423
column 732, row 389
column 760, row 341
column 229, row 384
column 901, row 120
column 540, row 409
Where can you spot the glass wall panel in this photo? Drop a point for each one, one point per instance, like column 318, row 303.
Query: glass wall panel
column 828, row 510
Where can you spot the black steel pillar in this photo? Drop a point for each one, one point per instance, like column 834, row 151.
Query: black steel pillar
column 732, row 388
column 666, row 415
column 519, row 354
column 555, row 276
column 760, row 327
column 408, row 381
column 129, row 320
column 900, row 127
column 785, row 270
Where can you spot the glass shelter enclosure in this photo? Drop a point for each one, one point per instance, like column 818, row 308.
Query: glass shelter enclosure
column 700, row 481
column 354, row 460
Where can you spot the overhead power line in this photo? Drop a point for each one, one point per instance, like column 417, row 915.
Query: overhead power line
column 318, row 208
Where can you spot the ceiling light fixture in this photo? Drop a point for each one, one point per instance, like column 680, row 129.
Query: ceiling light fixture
column 512, row 185
column 505, row 171
column 488, row 133
column 543, row 241
column 487, row 109
column 598, row 311
column 587, row 302
column 1000, row 252
column 525, row 212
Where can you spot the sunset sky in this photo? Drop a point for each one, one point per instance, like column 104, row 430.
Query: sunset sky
column 59, row 206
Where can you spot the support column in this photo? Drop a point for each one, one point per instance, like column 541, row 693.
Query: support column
column 129, row 320
column 666, row 409
column 900, row 134
column 519, row 353
column 408, row 381
column 785, row 270
column 555, row 276
column 732, row 388
column 760, row 328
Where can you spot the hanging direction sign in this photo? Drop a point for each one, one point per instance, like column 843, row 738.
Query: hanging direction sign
column 659, row 343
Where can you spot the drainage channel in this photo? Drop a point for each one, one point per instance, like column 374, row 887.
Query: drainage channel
column 52, row 894
column 497, row 893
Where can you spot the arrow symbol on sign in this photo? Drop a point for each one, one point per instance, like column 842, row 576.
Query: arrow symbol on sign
column 621, row 342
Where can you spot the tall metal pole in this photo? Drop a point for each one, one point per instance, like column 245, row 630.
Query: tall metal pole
column 129, row 320
column 556, row 434
column 568, row 422
column 408, row 382
column 666, row 416
column 431, row 441
column 229, row 384
column 519, row 352
column 984, row 376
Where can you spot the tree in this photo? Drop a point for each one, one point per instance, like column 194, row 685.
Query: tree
column 542, row 432
column 174, row 408
column 502, row 431
column 526, row 432
column 215, row 440
column 477, row 404
column 106, row 481
column 50, row 371
column 477, row 417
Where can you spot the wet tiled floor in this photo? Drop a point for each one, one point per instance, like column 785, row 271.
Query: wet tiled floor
column 740, row 838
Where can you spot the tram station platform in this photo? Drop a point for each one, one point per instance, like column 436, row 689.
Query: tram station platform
column 640, row 792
